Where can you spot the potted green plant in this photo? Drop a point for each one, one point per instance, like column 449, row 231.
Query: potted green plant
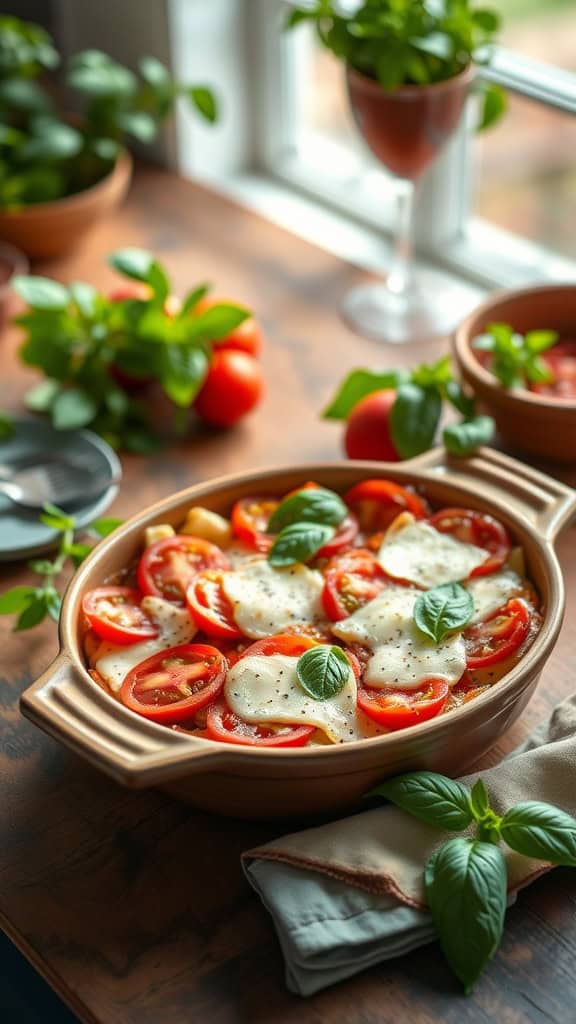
column 60, row 173
column 409, row 67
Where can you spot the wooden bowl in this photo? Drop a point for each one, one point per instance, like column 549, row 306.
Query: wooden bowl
column 535, row 424
column 46, row 230
column 276, row 783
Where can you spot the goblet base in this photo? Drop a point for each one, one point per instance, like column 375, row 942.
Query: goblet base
column 431, row 307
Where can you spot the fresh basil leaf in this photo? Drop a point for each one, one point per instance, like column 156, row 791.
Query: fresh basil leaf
column 218, row 321
column 73, row 408
column 536, row 370
column 7, row 427
column 53, row 601
column 139, row 124
column 16, row 600
column 32, row 615
column 494, row 105
column 442, row 610
column 310, row 505
column 193, row 298
column 104, row 80
column 154, row 72
column 42, row 566
column 104, row 527
column 52, row 140
column 133, row 263
column 41, row 292
column 540, row 341
column 432, row 798
column 323, row 671
column 465, row 884
column 184, row 370
column 105, row 149
column 479, row 799
column 57, row 518
column 204, row 100
column 159, row 282
column 40, row 398
column 433, row 375
column 461, row 401
column 356, row 386
column 542, row 831
column 298, row 542
column 414, row 419
column 85, row 296
column 464, row 438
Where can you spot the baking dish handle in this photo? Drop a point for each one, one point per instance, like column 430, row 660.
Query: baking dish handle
column 127, row 747
column 546, row 503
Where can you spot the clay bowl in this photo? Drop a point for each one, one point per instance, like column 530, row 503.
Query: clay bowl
column 46, row 230
column 535, row 424
column 264, row 783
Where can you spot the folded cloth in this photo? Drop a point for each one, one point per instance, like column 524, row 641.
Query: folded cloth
column 350, row 894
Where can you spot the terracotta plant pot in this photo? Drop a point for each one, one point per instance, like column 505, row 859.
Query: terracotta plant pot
column 12, row 262
column 532, row 423
column 46, row 230
column 258, row 782
column 406, row 128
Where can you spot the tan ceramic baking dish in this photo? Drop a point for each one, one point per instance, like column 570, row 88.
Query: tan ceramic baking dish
column 259, row 783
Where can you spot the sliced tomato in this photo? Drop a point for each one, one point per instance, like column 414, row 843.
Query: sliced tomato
column 475, row 528
column 351, row 579
column 209, row 606
column 167, row 568
column 114, row 613
column 398, row 709
column 224, row 725
column 172, row 685
column 343, row 538
column 250, row 518
column 376, row 503
column 499, row 636
column 290, row 644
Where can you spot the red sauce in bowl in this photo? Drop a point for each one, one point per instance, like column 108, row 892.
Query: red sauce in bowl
column 561, row 361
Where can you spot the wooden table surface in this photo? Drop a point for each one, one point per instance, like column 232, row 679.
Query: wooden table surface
column 134, row 907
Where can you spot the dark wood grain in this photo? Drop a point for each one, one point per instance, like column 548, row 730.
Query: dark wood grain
column 134, row 906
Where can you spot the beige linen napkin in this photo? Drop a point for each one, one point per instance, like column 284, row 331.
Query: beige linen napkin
column 350, row 893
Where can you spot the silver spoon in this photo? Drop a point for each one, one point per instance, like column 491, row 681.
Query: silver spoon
column 57, row 482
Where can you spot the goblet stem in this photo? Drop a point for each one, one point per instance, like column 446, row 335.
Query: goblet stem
column 399, row 278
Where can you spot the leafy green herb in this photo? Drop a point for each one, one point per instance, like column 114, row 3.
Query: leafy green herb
column 432, row 798
column 42, row 156
column 299, row 542
column 465, row 878
column 32, row 604
column 92, row 349
column 322, row 671
column 515, row 358
column 465, row 884
column 442, row 610
column 416, row 412
column 407, row 42
column 311, row 505
column 7, row 427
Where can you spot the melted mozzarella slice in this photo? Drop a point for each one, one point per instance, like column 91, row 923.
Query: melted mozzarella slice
column 175, row 627
column 417, row 552
column 267, row 689
column 490, row 593
column 401, row 655
column 267, row 600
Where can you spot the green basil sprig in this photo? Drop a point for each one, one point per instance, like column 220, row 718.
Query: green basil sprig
column 515, row 358
column 322, row 671
column 310, row 505
column 465, row 878
column 299, row 542
column 442, row 610
column 416, row 413
column 33, row 603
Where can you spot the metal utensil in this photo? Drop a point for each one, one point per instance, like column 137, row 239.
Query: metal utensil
column 59, row 482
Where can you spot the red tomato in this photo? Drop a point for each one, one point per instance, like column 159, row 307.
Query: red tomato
column 475, row 528
column 343, row 538
column 173, row 684
column 250, row 518
column 132, row 290
column 233, row 387
column 247, row 337
column 499, row 636
column 209, row 606
column 223, row 725
column 376, row 503
column 167, row 568
column 114, row 613
column 350, row 581
column 368, row 434
column 290, row 644
column 561, row 360
column 398, row 709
